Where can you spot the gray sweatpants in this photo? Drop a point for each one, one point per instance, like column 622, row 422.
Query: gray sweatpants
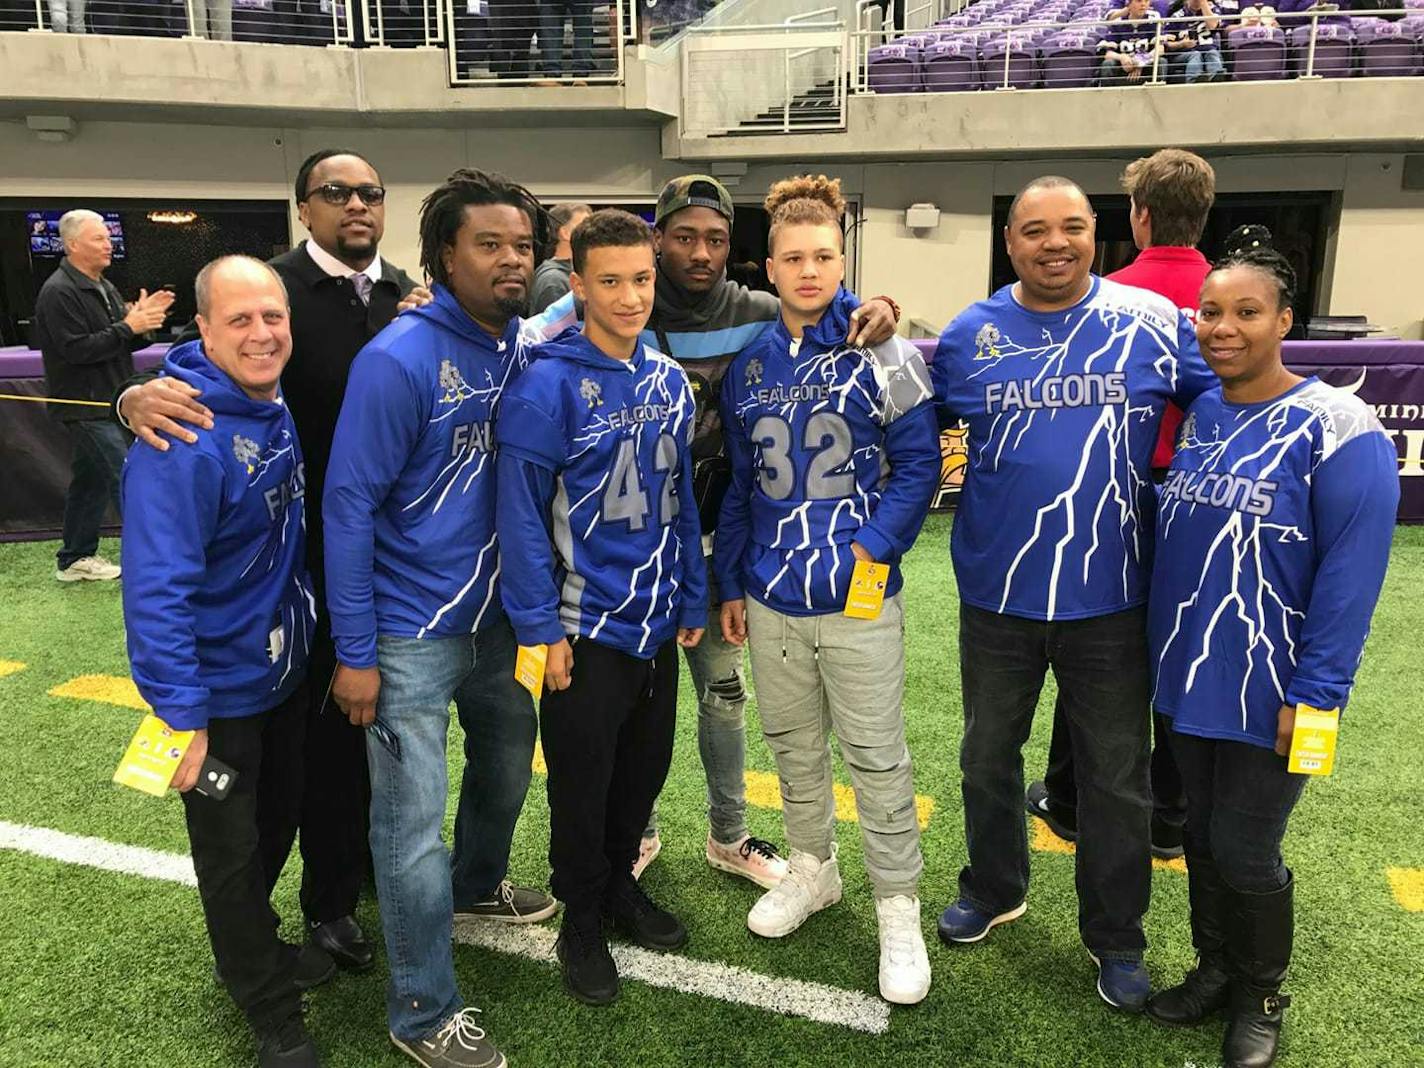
column 817, row 674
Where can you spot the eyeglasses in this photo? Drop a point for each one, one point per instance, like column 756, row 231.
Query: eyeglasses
column 336, row 194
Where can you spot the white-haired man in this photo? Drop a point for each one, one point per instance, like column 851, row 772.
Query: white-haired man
column 87, row 335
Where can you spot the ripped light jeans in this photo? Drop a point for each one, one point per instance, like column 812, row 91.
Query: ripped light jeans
column 817, row 674
column 716, row 670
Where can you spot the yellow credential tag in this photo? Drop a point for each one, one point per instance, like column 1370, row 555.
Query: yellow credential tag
column 1313, row 743
column 153, row 756
column 529, row 668
column 867, row 590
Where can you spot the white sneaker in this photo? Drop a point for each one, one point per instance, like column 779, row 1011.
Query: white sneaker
column 93, row 568
column 808, row 886
column 648, row 850
column 751, row 858
column 904, row 964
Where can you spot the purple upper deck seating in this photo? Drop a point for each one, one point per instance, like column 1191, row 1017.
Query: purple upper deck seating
column 1386, row 49
column 1334, row 50
column 893, row 68
column 1022, row 64
column 1069, row 60
column 1258, row 54
column 950, row 66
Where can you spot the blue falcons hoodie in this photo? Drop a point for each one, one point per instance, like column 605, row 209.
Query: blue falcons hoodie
column 1273, row 534
column 827, row 444
column 1055, row 520
column 597, row 517
column 217, row 603
column 409, row 499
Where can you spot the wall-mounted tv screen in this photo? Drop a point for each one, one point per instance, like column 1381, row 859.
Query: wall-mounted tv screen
column 43, row 227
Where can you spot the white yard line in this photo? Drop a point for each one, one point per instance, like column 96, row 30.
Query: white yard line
column 671, row 971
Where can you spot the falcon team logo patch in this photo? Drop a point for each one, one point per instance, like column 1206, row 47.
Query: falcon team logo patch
column 986, row 342
column 754, row 372
column 592, row 392
column 246, row 451
column 453, row 383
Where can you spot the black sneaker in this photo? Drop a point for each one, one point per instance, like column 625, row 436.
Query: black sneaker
column 288, row 1046
column 1064, row 824
column 510, row 904
column 589, row 972
column 1166, row 840
column 457, row 1043
column 635, row 916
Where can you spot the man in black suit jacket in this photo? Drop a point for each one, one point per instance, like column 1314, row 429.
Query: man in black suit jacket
column 342, row 293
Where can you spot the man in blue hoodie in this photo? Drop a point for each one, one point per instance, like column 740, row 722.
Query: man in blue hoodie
column 219, row 614
column 412, row 566
column 602, row 542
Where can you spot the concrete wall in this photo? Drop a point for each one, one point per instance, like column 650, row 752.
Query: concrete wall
column 1377, row 251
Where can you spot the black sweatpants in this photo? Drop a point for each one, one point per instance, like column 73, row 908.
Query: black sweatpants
column 239, row 845
column 608, row 744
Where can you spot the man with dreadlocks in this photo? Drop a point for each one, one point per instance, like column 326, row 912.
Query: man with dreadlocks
column 412, row 570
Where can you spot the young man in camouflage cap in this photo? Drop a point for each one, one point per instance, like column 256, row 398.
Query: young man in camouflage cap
column 702, row 319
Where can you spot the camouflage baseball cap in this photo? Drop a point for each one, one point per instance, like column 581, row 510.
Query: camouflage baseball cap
column 693, row 191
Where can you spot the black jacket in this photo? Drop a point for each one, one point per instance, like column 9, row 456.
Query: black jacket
column 86, row 345
column 329, row 327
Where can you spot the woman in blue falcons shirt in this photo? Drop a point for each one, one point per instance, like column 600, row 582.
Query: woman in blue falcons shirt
column 1273, row 533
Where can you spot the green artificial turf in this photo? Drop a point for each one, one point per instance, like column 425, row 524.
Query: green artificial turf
column 107, row 969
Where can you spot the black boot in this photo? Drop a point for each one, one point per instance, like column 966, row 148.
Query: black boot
column 590, row 974
column 1258, row 946
column 1205, row 990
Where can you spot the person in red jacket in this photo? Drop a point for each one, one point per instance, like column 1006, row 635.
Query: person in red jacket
column 1172, row 192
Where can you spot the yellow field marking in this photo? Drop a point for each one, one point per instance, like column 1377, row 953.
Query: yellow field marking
column 110, row 689
column 764, row 791
column 1045, row 841
column 10, row 667
column 1408, row 887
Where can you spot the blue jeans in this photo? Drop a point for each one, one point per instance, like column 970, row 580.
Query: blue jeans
column 1199, row 63
column 1239, row 800
column 99, row 450
column 718, row 679
column 406, row 751
column 551, row 37
column 1100, row 664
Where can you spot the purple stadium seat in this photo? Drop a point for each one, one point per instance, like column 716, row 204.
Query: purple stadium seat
column 1258, row 54
column 950, row 66
column 893, row 68
column 1386, row 49
column 1022, row 64
column 1334, row 50
column 1069, row 60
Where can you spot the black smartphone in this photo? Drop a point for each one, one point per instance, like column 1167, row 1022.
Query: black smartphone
column 215, row 779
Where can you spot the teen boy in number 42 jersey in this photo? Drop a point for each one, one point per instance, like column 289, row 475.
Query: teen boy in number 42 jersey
column 602, row 561
column 1063, row 378
column 834, row 458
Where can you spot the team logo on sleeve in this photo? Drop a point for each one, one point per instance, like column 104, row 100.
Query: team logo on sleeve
column 592, row 392
column 754, row 372
column 986, row 342
column 246, row 451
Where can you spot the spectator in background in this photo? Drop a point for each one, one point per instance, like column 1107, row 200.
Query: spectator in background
column 1198, row 57
column 87, row 336
column 512, row 25
column 1171, row 193
column 552, row 14
column 551, row 280
column 892, row 13
column 1132, row 45
column 212, row 19
column 66, row 16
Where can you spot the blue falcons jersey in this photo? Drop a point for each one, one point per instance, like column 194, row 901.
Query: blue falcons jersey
column 597, row 519
column 1055, row 519
column 1273, row 534
column 409, row 499
column 828, row 444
